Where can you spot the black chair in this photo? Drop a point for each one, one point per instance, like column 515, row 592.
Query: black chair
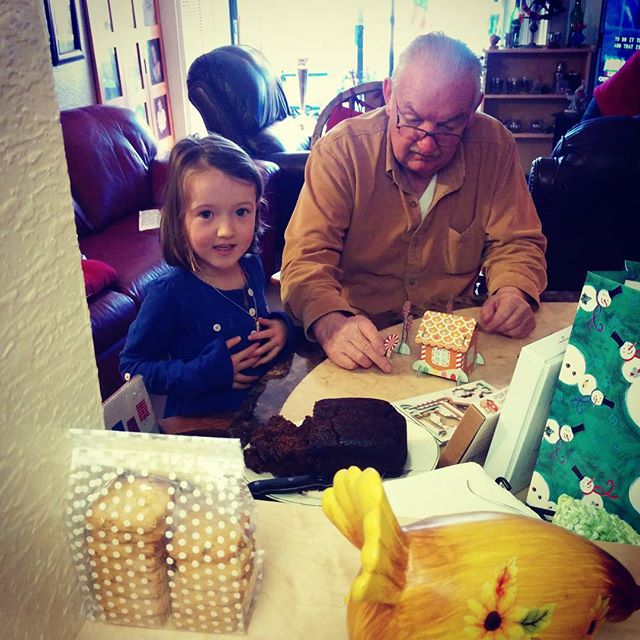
column 240, row 97
column 588, row 198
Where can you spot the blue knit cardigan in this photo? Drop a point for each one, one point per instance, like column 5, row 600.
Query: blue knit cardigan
column 177, row 341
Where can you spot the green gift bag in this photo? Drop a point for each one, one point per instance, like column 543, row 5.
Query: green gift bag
column 590, row 448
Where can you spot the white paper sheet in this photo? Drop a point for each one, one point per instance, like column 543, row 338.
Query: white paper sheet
column 148, row 219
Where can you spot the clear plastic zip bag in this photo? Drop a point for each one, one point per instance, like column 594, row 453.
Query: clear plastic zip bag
column 162, row 530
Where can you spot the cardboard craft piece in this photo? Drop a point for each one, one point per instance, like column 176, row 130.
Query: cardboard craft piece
column 130, row 408
column 391, row 344
column 440, row 412
column 472, row 437
column 449, row 346
column 403, row 346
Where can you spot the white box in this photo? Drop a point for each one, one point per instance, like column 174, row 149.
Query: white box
column 516, row 441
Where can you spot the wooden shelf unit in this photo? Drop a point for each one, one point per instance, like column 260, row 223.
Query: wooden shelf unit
column 537, row 65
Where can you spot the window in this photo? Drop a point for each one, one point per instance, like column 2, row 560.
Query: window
column 325, row 34
column 440, row 357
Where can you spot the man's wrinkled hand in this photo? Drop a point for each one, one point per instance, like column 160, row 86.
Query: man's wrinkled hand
column 351, row 341
column 508, row 312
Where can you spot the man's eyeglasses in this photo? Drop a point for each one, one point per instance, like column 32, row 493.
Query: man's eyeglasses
column 415, row 134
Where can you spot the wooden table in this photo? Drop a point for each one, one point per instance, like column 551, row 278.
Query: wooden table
column 309, row 566
column 500, row 354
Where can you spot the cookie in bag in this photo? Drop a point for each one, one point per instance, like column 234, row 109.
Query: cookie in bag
column 124, row 533
column 211, row 552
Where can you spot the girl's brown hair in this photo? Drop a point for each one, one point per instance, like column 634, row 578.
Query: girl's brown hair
column 188, row 155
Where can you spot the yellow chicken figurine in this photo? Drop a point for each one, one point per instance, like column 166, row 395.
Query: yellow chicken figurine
column 481, row 576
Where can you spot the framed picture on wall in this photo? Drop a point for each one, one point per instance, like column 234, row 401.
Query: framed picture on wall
column 161, row 112
column 155, row 61
column 145, row 13
column 64, row 30
column 109, row 75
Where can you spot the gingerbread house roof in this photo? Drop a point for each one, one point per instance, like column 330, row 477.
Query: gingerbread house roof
column 446, row 330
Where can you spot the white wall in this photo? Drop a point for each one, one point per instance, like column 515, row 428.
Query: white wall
column 48, row 377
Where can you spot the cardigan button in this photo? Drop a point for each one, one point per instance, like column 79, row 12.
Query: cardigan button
column 252, row 312
column 216, row 327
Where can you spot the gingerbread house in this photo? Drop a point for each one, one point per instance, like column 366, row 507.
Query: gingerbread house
column 449, row 346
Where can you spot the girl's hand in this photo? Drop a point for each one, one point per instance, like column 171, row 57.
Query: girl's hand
column 242, row 360
column 273, row 336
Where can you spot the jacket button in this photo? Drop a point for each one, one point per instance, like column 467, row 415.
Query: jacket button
column 216, row 327
column 413, row 203
column 252, row 312
column 412, row 280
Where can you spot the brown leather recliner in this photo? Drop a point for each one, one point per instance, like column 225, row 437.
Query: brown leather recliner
column 588, row 198
column 240, row 97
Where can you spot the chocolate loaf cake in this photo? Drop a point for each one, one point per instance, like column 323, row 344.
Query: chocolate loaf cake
column 341, row 432
column 278, row 447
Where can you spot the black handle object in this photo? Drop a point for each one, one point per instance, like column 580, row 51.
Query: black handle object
column 290, row 484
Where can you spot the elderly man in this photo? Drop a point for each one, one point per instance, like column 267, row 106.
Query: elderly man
column 408, row 202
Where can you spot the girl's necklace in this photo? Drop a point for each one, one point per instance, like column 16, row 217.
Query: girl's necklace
column 247, row 290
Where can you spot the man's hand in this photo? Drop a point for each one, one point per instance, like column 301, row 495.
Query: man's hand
column 242, row 360
column 508, row 312
column 351, row 342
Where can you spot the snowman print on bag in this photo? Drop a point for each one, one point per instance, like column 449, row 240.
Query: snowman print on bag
column 559, row 436
column 539, row 496
column 630, row 369
column 630, row 355
column 573, row 372
column 591, row 492
column 594, row 302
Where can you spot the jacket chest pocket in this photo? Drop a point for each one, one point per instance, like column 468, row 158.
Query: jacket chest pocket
column 463, row 249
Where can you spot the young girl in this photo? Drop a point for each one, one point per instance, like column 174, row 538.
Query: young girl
column 204, row 332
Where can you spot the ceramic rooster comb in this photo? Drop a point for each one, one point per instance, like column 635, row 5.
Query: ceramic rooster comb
column 483, row 576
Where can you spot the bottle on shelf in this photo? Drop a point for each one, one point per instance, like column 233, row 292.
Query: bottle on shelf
column 576, row 25
column 560, row 78
column 515, row 22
